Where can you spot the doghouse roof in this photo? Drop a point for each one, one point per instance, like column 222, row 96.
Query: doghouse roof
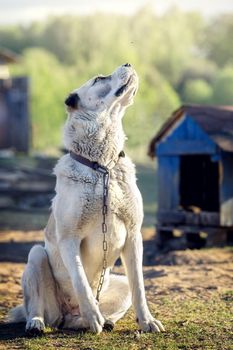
column 216, row 121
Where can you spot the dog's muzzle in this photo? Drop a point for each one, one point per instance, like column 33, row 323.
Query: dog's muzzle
column 124, row 87
column 72, row 100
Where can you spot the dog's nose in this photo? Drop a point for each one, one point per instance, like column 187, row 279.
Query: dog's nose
column 127, row 65
column 72, row 100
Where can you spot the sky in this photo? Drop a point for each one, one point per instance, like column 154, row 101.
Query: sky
column 25, row 11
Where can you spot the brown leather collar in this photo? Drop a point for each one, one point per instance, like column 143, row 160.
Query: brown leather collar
column 93, row 165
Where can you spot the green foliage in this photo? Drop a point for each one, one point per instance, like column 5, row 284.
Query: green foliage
column 197, row 91
column 177, row 56
column 197, row 68
column 217, row 40
column 223, row 87
column 155, row 101
column 49, row 85
column 178, row 38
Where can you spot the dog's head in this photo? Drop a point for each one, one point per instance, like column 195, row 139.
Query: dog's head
column 95, row 110
column 102, row 94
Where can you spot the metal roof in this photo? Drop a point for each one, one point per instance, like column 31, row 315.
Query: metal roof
column 216, row 121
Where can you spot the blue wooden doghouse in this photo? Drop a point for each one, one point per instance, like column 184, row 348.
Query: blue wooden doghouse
column 194, row 150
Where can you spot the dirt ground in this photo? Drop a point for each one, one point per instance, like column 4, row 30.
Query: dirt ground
column 189, row 274
column 193, row 273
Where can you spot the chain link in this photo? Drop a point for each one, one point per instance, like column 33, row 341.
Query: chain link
column 105, row 173
column 104, row 170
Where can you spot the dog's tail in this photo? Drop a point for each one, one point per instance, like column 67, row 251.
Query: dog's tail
column 17, row 314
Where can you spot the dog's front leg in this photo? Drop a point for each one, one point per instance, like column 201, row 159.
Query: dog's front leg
column 132, row 258
column 70, row 253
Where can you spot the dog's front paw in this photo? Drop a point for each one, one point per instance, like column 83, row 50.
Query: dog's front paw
column 94, row 320
column 150, row 325
column 35, row 327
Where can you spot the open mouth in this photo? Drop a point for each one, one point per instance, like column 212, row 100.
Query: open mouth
column 122, row 89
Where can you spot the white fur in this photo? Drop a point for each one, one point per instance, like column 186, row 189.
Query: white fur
column 60, row 280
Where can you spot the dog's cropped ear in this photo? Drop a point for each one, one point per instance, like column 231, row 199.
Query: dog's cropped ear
column 72, row 100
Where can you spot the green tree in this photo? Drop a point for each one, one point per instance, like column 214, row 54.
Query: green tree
column 198, row 68
column 154, row 103
column 223, row 87
column 217, row 40
column 197, row 91
column 50, row 83
column 179, row 35
column 177, row 56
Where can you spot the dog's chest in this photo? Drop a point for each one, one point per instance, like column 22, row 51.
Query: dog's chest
column 78, row 205
column 122, row 202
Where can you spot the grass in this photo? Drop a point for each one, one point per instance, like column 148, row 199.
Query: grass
column 190, row 325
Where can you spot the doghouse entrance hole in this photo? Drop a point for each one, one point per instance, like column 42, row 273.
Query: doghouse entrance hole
column 199, row 183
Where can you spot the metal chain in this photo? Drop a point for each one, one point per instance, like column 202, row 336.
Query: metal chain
column 105, row 173
column 104, row 170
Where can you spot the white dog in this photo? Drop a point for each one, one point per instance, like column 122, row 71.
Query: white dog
column 60, row 281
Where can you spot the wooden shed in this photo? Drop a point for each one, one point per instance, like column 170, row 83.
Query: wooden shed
column 194, row 150
column 14, row 115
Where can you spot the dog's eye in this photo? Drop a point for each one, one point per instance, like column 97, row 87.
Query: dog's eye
column 98, row 79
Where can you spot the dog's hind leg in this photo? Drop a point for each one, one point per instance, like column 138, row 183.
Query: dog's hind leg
column 115, row 300
column 39, row 291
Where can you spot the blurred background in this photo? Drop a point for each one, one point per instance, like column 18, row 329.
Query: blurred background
column 181, row 50
column 183, row 53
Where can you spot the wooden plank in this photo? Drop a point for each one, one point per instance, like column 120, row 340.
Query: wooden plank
column 216, row 237
column 19, row 115
column 203, row 218
column 4, row 120
column 191, row 236
column 226, row 189
column 186, row 138
column 170, row 217
column 185, row 147
column 35, row 189
column 192, row 228
column 184, row 217
column 168, row 183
